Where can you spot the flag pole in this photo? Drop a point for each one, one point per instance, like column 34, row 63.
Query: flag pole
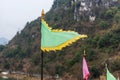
column 86, row 73
column 84, row 54
column 41, row 65
column 106, row 70
column 42, row 17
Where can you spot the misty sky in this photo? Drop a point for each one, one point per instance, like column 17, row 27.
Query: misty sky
column 14, row 14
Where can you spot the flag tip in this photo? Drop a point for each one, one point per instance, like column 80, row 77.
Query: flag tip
column 84, row 54
column 42, row 14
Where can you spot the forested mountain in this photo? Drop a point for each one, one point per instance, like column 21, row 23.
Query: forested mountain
column 99, row 19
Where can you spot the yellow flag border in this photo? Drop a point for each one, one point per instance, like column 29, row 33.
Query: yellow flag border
column 55, row 30
column 67, row 43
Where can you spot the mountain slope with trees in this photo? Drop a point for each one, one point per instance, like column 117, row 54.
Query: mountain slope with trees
column 102, row 45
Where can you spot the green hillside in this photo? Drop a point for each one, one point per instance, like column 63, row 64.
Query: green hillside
column 102, row 45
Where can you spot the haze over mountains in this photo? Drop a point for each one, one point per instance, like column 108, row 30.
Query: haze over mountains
column 3, row 41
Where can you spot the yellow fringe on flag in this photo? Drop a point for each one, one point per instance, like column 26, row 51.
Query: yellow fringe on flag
column 67, row 43
column 64, row 44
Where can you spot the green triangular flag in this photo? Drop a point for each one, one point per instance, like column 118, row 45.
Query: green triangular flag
column 54, row 39
column 110, row 76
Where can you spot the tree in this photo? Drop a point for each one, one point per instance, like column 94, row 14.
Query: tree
column 2, row 47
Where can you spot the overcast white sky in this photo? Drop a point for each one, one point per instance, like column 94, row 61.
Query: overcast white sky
column 15, row 13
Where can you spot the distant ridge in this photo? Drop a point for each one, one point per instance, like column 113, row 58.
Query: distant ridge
column 3, row 41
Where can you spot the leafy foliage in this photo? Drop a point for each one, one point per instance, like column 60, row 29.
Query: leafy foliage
column 2, row 47
column 74, row 60
column 115, row 65
column 103, row 25
column 18, row 53
column 95, row 72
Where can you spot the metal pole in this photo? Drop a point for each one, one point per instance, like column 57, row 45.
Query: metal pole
column 42, row 17
column 41, row 65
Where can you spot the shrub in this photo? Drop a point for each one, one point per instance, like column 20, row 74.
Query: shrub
column 104, row 25
column 59, row 69
column 104, row 41
column 109, row 14
column 117, row 17
column 91, row 55
column 95, row 72
column 115, row 65
column 2, row 47
column 72, row 61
